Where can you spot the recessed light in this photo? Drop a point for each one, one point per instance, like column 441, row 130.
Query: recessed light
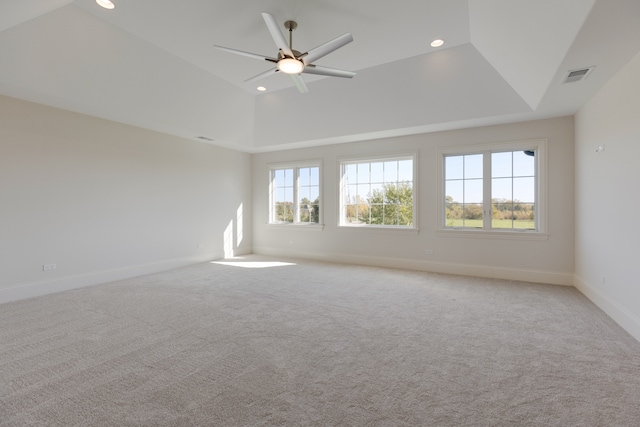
column 261, row 88
column 437, row 43
column 107, row 4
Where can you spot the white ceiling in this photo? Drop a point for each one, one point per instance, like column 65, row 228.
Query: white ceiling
column 150, row 63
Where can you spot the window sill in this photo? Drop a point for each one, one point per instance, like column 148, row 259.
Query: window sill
column 485, row 234
column 292, row 226
column 379, row 229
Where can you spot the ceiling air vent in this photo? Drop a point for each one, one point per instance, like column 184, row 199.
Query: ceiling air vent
column 573, row 76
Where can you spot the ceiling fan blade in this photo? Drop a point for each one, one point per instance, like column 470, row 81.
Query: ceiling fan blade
column 243, row 53
column 325, row 49
column 300, row 84
column 276, row 34
column 261, row 75
column 326, row 71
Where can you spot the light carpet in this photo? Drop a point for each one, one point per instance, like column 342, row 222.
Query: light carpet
column 300, row 343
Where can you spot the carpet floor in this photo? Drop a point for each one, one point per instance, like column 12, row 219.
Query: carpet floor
column 259, row 341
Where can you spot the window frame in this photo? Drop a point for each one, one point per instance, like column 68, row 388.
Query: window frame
column 540, row 231
column 343, row 161
column 296, row 166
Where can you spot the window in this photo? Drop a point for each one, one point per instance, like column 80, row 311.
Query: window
column 496, row 187
column 294, row 194
column 378, row 192
column 463, row 189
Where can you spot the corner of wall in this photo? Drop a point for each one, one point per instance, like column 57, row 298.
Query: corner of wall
column 626, row 319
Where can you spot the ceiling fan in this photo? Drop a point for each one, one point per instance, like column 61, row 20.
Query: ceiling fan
column 292, row 62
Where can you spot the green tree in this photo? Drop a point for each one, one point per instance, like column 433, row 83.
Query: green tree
column 453, row 211
column 473, row 211
column 357, row 210
column 391, row 205
column 284, row 212
column 310, row 211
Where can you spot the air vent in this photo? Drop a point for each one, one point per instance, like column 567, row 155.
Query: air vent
column 204, row 138
column 573, row 76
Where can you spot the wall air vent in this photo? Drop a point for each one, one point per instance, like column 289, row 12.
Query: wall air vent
column 573, row 76
column 204, row 138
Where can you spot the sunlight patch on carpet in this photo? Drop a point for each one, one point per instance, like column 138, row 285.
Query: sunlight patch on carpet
column 254, row 264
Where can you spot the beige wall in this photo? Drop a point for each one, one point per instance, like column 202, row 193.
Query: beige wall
column 607, row 198
column 104, row 200
column 549, row 260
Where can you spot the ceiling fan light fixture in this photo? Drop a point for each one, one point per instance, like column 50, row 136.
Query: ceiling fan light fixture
column 107, row 4
column 290, row 61
column 290, row 66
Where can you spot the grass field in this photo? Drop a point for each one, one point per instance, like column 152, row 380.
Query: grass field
column 496, row 223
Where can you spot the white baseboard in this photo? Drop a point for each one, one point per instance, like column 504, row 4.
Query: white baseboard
column 44, row 287
column 537, row 276
column 623, row 317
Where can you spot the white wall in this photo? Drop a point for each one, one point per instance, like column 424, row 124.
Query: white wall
column 549, row 261
column 104, row 200
column 608, row 198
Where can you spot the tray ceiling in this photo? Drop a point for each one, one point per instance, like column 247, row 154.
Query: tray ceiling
column 150, row 63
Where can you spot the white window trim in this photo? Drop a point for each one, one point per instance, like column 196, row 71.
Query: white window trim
column 296, row 165
column 540, row 233
column 379, row 227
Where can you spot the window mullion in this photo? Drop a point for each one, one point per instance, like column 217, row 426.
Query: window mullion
column 486, row 190
column 296, row 202
column 342, row 192
column 537, row 197
column 272, row 198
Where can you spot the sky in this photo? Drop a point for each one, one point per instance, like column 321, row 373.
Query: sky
column 512, row 177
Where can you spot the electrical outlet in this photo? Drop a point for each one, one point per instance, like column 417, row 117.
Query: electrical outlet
column 48, row 267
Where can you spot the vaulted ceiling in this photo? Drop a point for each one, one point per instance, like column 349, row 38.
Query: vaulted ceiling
column 151, row 63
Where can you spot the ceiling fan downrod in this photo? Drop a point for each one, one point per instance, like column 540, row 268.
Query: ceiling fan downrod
column 291, row 25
